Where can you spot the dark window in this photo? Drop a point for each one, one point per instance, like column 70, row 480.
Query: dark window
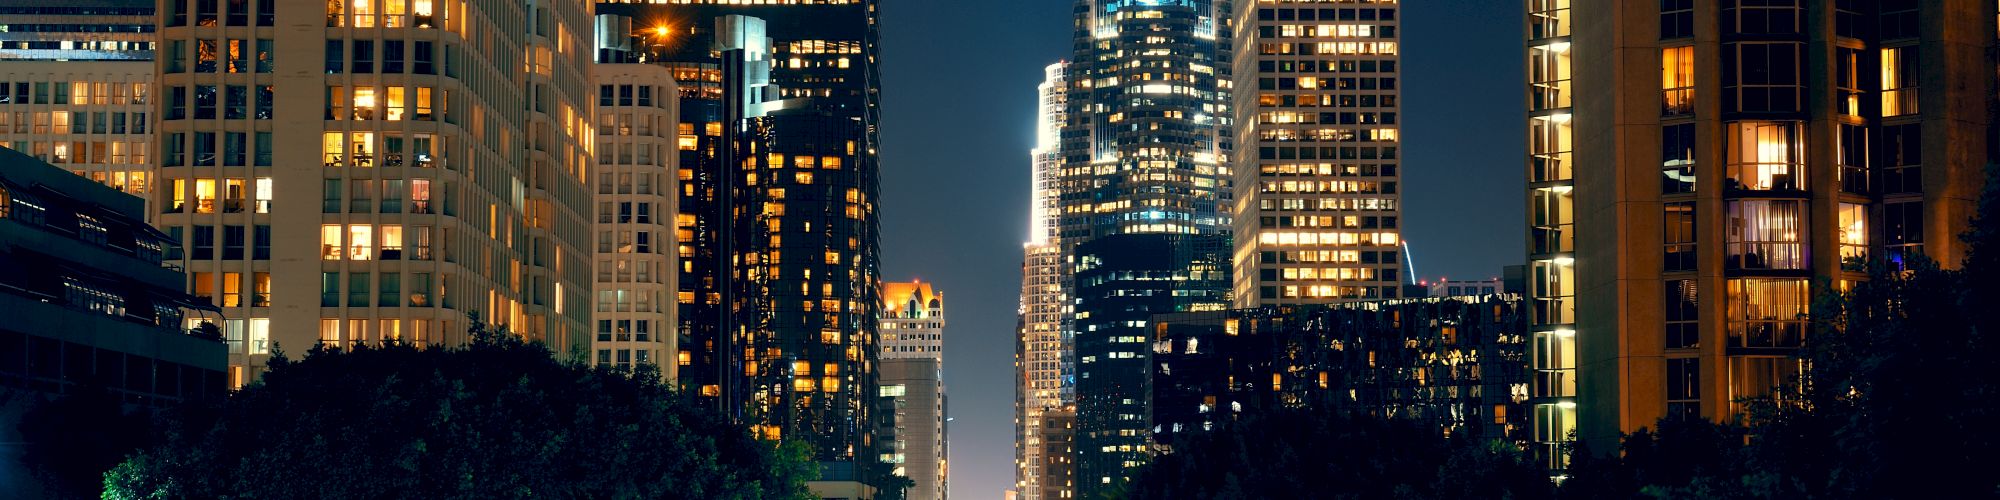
column 262, row 240
column 1853, row 159
column 392, row 56
column 204, row 243
column 1903, row 230
column 1761, row 77
column 232, row 242
column 1902, row 159
column 1899, row 19
column 336, row 52
column 1676, row 18
column 1678, row 233
column 364, row 56
column 1762, row 17
column 1677, row 159
column 1684, row 388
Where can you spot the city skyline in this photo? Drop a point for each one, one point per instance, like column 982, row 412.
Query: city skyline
column 923, row 170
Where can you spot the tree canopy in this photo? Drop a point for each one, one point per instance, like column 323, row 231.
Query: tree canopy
column 1324, row 453
column 498, row 418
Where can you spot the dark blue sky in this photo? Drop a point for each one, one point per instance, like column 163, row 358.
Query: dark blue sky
column 958, row 92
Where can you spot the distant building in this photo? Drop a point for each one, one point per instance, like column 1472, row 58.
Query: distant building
column 1455, row 364
column 1454, row 288
column 1318, row 150
column 636, row 206
column 76, row 86
column 1121, row 282
column 1044, row 367
column 912, row 385
column 90, row 296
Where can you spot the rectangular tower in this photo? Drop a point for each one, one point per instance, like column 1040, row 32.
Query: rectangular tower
column 449, row 142
column 1317, row 207
column 1696, row 165
column 76, row 79
column 912, row 381
column 1043, row 368
column 777, row 224
column 635, row 267
column 1144, row 188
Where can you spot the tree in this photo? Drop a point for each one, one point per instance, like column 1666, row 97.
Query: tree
column 1899, row 398
column 1323, row 453
column 69, row 441
column 498, row 418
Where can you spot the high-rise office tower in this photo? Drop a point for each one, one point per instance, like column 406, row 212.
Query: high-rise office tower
column 635, row 264
column 1694, row 166
column 75, row 79
column 777, row 222
column 1145, row 203
column 1042, row 368
column 912, row 386
column 1317, row 207
column 447, row 140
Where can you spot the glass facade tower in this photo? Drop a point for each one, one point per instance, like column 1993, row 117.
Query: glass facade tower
column 1144, row 203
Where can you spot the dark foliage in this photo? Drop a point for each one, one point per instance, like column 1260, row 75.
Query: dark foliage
column 1309, row 453
column 69, row 442
column 496, row 419
column 1900, row 399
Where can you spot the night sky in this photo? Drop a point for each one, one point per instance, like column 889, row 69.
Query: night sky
column 958, row 92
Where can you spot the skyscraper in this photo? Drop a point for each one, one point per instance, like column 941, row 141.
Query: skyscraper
column 1694, row 165
column 454, row 143
column 1144, row 202
column 1043, row 369
column 912, row 386
column 777, row 222
column 1317, row 205
column 75, row 83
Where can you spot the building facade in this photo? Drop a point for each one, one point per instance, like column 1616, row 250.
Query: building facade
column 1452, row 288
column 1044, row 370
column 1121, row 282
column 94, row 309
column 1144, row 193
column 777, row 224
column 912, row 386
column 1695, row 165
column 1454, row 364
column 92, row 299
column 75, row 84
column 636, row 267
column 1316, row 174
column 452, row 176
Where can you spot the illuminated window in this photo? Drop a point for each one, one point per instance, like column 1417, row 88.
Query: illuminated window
column 329, row 241
column 360, row 242
column 395, row 111
column 1899, row 81
column 1554, row 216
column 1767, row 312
column 1677, row 80
column 1853, row 235
column 1765, row 156
column 204, row 196
column 1766, row 234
